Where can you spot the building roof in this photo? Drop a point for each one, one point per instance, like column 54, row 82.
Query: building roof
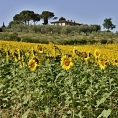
column 66, row 21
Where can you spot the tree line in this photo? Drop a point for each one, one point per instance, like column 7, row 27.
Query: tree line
column 26, row 17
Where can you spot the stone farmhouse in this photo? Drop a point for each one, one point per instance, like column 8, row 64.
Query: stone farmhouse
column 65, row 22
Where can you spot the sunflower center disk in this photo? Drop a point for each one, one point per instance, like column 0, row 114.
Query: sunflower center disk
column 67, row 62
column 97, row 53
column 32, row 64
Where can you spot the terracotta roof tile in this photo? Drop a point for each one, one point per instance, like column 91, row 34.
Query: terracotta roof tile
column 66, row 21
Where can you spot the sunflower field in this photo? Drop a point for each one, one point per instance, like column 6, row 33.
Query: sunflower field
column 58, row 81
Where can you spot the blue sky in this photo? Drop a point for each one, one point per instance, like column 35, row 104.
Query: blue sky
column 82, row 11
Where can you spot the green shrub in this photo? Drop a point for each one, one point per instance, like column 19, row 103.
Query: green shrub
column 65, row 30
column 26, row 39
column 103, row 41
column 18, row 39
column 110, row 41
column 82, row 41
column 92, row 41
column 13, row 36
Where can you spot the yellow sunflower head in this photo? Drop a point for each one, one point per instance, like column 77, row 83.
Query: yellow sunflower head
column 27, row 54
column 102, row 63
column 40, row 48
column 97, row 53
column 22, row 63
column 36, row 60
column 115, row 62
column 66, row 62
column 85, row 56
column 32, row 65
column 77, row 52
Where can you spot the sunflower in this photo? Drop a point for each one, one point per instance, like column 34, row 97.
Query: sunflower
column 102, row 63
column 77, row 53
column 7, row 55
column 40, row 48
column 27, row 54
column 22, row 63
column 16, row 56
column 32, row 65
column 115, row 62
column 97, row 53
column 36, row 60
column 66, row 62
column 19, row 54
column 85, row 56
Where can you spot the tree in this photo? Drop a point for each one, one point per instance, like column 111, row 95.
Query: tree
column 36, row 17
column 108, row 24
column 95, row 28
column 12, row 23
column 17, row 17
column 62, row 18
column 26, row 16
column 46, row 15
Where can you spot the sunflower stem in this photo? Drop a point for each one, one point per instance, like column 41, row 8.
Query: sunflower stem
column 70, row 77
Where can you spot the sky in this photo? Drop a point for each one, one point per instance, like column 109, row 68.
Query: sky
column 81, row 11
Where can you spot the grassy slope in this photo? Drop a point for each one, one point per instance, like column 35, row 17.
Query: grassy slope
column 61, row 38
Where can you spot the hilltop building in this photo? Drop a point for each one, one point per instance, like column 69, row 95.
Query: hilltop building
column 65, row 22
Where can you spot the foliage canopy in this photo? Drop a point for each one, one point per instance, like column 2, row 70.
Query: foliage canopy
column 108, row 24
